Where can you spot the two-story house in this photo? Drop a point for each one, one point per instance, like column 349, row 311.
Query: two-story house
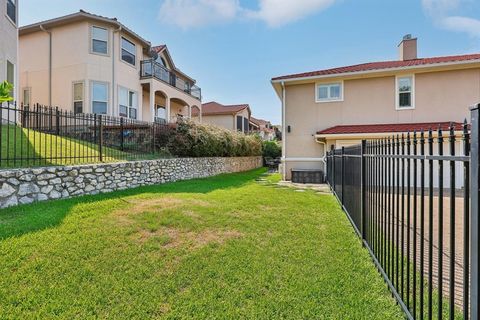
column 87, row 63
column 341, row 106
column 263, row 128
column 9, row 42
column 232, row 117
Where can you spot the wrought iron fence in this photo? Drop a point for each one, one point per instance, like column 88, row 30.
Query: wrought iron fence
column 413, row 199
column 39, row 135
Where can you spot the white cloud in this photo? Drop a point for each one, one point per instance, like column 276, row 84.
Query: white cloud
column 196, row 13
column 280, row 12
column 440, row 11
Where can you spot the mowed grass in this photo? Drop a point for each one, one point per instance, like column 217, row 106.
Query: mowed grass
column 226, row 247
column 24, row 148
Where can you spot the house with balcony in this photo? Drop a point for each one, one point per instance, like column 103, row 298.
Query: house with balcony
column 232, row 117
column 9, row 42
column 338, row 107
column 86, row 63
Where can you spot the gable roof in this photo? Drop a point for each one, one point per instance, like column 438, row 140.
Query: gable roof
column 384, row 66
column 390, row 128
column 215, row 108
column 259, row 121
column 163, row 48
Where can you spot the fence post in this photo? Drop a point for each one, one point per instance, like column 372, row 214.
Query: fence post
column 474, row 223
column 333, row 167
column 121, row 134
column 343, row 174
column 100, row 138
column 57, row 121
column 362, row 189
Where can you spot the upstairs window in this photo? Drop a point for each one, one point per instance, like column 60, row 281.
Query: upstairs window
column 128, row 102
column 405, row 92
column 99, row 40
column 329, row 92
column 12, row 10
column 128, row 52
column 78, row 97
column 99, row 97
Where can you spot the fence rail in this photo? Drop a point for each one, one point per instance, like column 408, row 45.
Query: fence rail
column 408, row 197
column 39, row 135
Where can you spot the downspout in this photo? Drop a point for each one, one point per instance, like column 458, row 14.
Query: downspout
column 284, row 133
column 324, row 152
column 113, row 70
column 49, row 64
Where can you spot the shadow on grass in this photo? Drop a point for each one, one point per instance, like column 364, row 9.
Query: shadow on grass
column 20, row 220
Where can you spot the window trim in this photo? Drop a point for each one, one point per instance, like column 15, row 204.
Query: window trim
column 318, row 84
column 92, row 83
column 128, row 107
column 135, row 54
column 397, row 92
column 15, row 23
column 83, row 95
column 91, row 40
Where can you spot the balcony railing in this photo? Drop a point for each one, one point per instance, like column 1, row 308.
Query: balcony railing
column 151, row 68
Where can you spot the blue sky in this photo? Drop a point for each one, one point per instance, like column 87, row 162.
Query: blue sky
column 234, row 47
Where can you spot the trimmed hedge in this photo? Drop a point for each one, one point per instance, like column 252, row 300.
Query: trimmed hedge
column 271, row 149
column 191, row 139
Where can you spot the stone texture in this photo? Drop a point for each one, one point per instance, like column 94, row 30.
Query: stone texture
column 21, row 186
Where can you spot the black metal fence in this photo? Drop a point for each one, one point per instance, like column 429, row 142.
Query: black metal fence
column 413, row 199
column 40, row 135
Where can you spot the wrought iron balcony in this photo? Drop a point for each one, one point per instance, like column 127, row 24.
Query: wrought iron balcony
column 153, row 69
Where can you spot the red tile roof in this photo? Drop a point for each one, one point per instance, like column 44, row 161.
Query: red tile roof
column 364, row 67
column 159, row 48
column 390, row 128
column 214, row 108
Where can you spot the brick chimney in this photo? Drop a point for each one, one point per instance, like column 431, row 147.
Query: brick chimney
column 407, row 49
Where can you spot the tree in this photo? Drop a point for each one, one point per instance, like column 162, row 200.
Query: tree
column 5, row 91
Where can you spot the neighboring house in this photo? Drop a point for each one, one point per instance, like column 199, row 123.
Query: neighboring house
column 341, row 106
column 9, row 43
column 87, row 63
column 231, row 117
column 263, row 127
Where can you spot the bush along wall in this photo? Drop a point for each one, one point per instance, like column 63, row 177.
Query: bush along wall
column 190, row 139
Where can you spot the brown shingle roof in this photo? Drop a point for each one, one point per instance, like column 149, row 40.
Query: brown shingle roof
column 214, row 108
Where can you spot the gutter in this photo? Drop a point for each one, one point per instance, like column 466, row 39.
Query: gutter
column 49, row 63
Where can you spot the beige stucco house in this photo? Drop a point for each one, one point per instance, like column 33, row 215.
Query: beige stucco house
column 87, row 63
column 9, row 43
column 263, row 128
column 341, row 106
column 231, row 117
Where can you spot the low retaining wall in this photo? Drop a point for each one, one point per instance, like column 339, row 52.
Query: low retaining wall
column 20, row 186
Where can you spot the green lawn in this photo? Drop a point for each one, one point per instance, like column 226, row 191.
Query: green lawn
column 226, row 247
column 38, row 149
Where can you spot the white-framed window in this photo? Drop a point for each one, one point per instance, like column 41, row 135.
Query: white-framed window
column 26, row 96
column 78, row 97
column 328, row 92
column 129, row 52
column 127, row 103
column 12, row 10
column 405, row 92
column 99, row 42
column 99, row 97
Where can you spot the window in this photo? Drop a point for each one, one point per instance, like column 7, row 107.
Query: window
column 11, row 75
column 329, row 92
column 239, row 123
column 99, row 40
column 78, row 97
column 127, row 103
column 405, row 96
column 245, row 125
column 128, row 52
column 99, row 97
column 26, row 96
column 12, row 10
column 161, row 61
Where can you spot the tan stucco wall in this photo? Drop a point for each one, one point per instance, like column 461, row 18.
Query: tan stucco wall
column 439, row 96
column 8, row 44
column 224, row 121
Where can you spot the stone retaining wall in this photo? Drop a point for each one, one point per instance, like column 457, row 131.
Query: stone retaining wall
column 20, row 186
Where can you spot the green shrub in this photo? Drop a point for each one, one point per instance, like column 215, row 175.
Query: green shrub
column 191, row 139
column 271, row 149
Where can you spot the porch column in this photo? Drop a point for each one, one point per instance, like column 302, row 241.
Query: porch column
column 189, row 112
column 152, row 102
column 167, row 109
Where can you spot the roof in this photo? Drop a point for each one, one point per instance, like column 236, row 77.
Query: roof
column 163, row 47
column 390, row 128
column 78, row 16
column 259, row 121
column 384, row 65
column 215, row 108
